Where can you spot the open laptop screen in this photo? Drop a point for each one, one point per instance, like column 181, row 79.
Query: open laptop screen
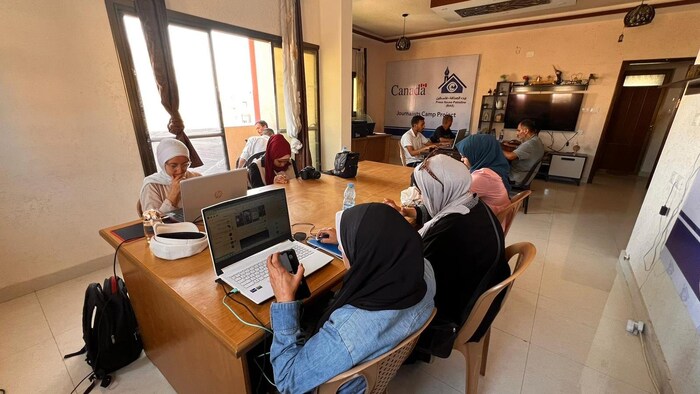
column 242, row 227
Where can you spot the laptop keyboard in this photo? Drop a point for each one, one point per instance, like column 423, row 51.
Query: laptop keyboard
column 251, row 277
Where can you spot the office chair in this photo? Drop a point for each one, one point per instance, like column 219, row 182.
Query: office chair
column 475, row 353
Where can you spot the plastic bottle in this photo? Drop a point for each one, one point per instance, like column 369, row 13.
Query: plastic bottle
column 349, row 196
column 150, row 218
column 500, row 137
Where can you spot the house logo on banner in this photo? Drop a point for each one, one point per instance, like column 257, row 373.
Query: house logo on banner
column 452, row 83
column 430, row 88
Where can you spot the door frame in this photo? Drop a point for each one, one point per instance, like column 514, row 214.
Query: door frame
column 616, row 95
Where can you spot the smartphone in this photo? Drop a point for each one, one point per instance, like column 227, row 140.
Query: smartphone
column 290, row 262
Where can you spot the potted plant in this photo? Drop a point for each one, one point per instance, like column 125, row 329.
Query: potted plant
column 504, row 77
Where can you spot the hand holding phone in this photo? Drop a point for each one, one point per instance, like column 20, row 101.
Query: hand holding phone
column 290, row 262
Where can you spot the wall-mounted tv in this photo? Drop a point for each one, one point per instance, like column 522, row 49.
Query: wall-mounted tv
column 551, row 112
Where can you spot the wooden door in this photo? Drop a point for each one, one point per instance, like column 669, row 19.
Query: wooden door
column 631, row 123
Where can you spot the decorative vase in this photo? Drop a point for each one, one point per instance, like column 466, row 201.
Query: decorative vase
column 499, row 104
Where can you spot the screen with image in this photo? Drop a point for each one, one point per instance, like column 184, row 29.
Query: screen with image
column 551, row 112
column 238, row 227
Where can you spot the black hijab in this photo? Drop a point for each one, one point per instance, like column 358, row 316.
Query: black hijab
column 386, row 261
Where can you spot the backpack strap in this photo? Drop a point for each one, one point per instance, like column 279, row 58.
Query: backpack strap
column 93, row 296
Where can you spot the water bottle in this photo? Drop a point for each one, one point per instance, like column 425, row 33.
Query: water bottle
column 500, row 137
column 150, row 218
column 349, row 196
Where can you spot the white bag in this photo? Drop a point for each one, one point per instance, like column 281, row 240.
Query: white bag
column 173, row 248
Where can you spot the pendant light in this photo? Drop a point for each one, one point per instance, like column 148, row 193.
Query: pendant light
column 640, row 15
column 403, row 43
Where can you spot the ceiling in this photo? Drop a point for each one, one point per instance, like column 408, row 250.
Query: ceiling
column 382, row 18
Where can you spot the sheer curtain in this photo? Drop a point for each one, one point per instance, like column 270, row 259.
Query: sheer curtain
column 154, row 22
column 294, row 80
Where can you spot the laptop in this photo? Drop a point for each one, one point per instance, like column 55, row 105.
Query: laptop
column 243, row 232
column 461, row 134
column 203, row 191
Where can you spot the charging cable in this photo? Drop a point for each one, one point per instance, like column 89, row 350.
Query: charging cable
column 223, row 301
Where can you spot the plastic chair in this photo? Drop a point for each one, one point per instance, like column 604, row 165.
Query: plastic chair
column 402, row 155
column 475, row 353
column 378, row 372
column 506, row 216
column 525, row 184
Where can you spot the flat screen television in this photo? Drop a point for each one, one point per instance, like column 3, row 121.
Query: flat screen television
column 551, row 112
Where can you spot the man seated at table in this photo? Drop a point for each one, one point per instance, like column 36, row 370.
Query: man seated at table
column 527, row 154
column 256, row 144
column 414, row 143
column 443, row 133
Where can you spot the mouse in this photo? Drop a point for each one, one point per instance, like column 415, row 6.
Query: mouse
column 324, row 235
column 299, row 236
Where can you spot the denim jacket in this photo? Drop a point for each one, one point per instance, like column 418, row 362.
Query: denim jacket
column 350, row 337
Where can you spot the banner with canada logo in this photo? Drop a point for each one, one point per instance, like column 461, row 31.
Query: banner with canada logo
column 431, row 88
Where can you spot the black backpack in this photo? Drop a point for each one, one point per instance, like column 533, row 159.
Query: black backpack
column 345, row 165
column 111, row 336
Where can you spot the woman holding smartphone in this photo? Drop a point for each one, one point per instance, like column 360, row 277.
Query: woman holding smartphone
column 387, row 295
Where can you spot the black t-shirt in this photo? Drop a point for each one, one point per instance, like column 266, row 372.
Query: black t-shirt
column 440, row 132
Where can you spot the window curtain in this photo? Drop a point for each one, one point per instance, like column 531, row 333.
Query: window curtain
column 358, row 60
column 295, row 81
column 154, row 22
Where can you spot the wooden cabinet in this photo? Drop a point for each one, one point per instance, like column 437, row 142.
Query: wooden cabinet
column 373, row 147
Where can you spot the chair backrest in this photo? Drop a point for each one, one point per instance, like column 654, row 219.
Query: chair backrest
column 402, row 155
column 139, row 208
column 378, row 372
column 526, row 253
column 506, row 216
column 525, row 184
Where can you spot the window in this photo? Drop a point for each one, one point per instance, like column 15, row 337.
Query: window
column 644, row 80
column 228, row 78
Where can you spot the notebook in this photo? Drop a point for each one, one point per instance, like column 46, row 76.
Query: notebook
column 243, row 232
column 328, row 248
column 203, row 191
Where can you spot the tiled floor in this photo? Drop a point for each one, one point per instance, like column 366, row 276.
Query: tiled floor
column 562, row 330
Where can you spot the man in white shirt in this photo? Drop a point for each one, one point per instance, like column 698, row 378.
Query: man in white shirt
column 414, row 143
column 256, row 144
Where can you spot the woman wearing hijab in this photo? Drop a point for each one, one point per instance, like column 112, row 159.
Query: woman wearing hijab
column 463, row 241
column 387, row 295
column 483, row 156
column 278, row 158
column 161, row 191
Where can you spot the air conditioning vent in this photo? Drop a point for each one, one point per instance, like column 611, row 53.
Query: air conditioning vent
column 459, row 11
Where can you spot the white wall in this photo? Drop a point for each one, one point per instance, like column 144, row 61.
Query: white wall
column 582, row 46
column 72, row 165
column 335, row 77
column 674, row 329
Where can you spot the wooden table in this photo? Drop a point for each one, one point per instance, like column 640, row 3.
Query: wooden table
column 192, row 338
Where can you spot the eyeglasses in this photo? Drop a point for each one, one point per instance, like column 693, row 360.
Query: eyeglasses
column 175, row 166
column 426, row 166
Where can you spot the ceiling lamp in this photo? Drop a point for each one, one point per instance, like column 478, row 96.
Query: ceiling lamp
column 640, row 15
column 403, row 43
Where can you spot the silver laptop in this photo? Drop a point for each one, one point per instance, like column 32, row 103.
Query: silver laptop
column 243, row 232
column 203, row 191
column 461, row 134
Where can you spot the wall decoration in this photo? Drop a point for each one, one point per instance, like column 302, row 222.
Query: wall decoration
column 431, row 88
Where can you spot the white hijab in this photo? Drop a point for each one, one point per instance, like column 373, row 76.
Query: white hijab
column 166, row 150
column 455, row 198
